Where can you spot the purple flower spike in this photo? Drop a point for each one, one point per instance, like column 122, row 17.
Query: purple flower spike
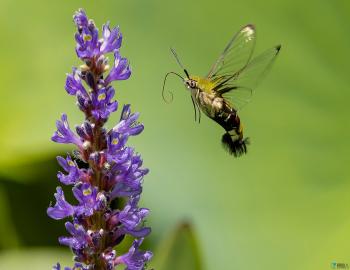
column 103, row 167
column 62, row 208
column 121, row 69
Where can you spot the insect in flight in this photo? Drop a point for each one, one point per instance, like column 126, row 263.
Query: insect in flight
column 228, row 86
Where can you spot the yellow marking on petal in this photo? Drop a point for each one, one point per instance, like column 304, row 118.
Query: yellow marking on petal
column 101, row 97
column 115, row 141
column 59, row 134
column 87, row 37
column 71, row 163
column 87, row 192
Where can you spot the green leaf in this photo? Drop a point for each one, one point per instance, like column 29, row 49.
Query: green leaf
column 26, row 191
column 180, row 250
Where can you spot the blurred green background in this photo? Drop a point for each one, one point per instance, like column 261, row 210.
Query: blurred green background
column 285, row 205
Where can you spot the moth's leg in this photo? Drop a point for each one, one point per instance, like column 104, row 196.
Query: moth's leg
column 199, row 109
column 195, row 109
column 199, row 117
column 199, row 114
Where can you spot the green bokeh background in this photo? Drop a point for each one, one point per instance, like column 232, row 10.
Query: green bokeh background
column 285, row 205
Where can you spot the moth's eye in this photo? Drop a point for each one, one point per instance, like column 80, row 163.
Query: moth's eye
column 192, row 84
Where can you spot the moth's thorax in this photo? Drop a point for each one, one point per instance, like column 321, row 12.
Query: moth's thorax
column 201, row 83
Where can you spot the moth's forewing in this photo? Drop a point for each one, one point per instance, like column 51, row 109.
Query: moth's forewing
column 236, row 54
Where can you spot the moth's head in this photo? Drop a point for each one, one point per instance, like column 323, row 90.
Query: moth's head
column 190, row 83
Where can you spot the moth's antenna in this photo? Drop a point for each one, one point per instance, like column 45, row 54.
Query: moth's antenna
column 178, row 61
column 170, row 93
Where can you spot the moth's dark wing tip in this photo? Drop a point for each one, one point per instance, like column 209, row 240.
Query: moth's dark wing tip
column 278, row 48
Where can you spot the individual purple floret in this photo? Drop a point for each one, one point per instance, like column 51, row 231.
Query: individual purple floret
column 103, row 104
column 135, row 258
column 112, row 169
column 62, row 208
column 64, row 134
column 74, row 173
column 121, row 69
column 74, row 84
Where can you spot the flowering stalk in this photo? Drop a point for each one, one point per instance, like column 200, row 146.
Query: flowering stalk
column 113, row 170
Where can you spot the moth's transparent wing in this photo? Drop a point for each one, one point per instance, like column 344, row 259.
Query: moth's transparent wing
column 238, row 97
column 238, row 87
column 256, row 70
column 236, row 54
